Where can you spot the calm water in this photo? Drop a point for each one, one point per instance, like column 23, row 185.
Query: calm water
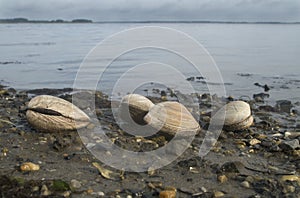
column 49, row 55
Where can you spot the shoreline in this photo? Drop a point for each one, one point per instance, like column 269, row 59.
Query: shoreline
column 263, row 160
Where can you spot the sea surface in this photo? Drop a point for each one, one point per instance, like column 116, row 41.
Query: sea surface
column 49, row 56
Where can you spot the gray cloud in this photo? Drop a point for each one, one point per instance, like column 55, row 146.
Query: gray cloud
column 235, row 10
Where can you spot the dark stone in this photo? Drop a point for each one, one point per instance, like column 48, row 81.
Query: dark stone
column 205, row 96
column 266, row 88
column 200, row 78
column 232, row 167
column 261, row 95
column 188, row 163
column 268, row 188
column 284, row 106
column 163, row 93
column 289, row 145
column 191, row 79
column 266, row 108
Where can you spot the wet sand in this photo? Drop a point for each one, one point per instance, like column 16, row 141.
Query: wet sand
column 263, row 161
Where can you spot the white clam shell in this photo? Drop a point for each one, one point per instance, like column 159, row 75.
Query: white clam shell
column 49, row 113
column 172, row 118
column 237, row 115
column 137, row 105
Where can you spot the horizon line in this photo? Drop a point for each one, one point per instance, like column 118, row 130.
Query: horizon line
column 25, row 20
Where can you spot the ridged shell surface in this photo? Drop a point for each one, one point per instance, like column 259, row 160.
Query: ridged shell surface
column 138, row 106
column 52, row 114
column 171, row 117
column 237, row 115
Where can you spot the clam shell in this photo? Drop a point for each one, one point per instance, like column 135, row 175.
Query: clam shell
column 138, row 106
column 49, row 113
column 237, row 116
column 171, row 118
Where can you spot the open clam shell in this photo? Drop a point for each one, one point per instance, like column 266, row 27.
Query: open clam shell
column 49, row 113
column 237, row 116
column 171, row 118
column 138, row 107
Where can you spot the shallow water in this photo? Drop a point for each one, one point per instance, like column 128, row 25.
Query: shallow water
column 49, row 55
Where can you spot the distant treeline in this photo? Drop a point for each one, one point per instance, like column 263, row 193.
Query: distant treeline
column 24, row 20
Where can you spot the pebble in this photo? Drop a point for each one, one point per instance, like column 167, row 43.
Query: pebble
column 66, row 194
column 245, row 184
column 29, row 166
column 218, row 194
column 100, row 193
column 35, row 189
column 254, row 141
column 232, row 167
column 291, row 178
column 289, row 189
column 289, row 145
column 167, row 194
column 222, row 179
column 45, row 191
column 203, row 189
column 75, row 184
column 291, row 135
column 284, row 106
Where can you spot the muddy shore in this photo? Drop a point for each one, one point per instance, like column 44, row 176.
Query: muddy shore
column 263, row 161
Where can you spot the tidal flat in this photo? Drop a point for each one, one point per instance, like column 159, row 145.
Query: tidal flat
column 262, row 161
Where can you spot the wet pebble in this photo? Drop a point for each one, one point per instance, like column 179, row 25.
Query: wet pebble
column 100, row 193
column 45, row 191
column 75, row 184
column 283, row 106
column 29, row 166
column 167, row 194
column 222, row 179
column 292, row 134
column 289, row 145
column 245, row 184
column 219, row 194
column 254, row 142
column 291, row 178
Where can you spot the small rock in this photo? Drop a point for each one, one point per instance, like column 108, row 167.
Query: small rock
column 258, row 99
column 245, row 184
column 35, row 189
column 66, row 194
column 75, row 184
column 291, row 178
column 249, row 179
column 222, row 179
column 89, row 191
column 289, row 145
column 191, row 78
column 232, row 167
column 283, row 106
column 45, row 191
column 254, row 141
column 100, row 193
column 218, row 194
column 291, row 135
column 261, row 95
column 289, row 189
column 167, row 194
column 29, row 166
column 203, row 189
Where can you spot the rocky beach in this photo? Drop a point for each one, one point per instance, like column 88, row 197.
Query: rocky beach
column 261, row 161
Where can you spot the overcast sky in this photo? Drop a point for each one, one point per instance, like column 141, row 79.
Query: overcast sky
column 101, row 10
